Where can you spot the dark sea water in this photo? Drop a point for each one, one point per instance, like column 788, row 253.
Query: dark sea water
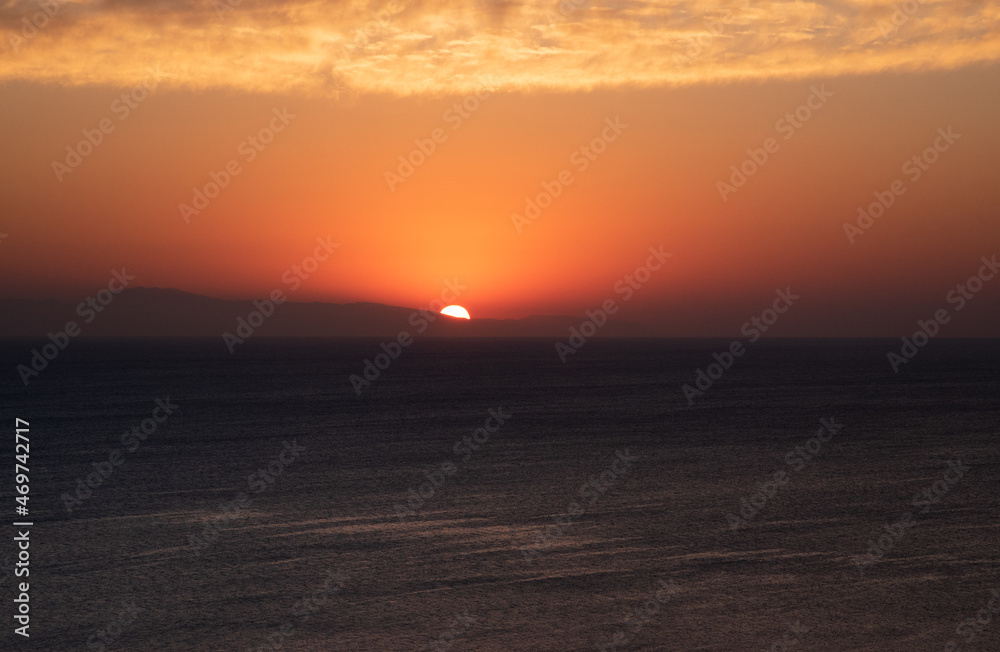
column 316, row 555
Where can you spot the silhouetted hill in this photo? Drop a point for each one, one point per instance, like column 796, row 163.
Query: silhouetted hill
column 161, row 312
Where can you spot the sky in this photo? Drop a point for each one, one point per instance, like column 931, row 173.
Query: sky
column 531, row 153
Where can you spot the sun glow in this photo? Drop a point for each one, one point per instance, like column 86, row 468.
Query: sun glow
column 455, row 311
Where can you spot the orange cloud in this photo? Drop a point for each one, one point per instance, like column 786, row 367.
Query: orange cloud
column 403, row 47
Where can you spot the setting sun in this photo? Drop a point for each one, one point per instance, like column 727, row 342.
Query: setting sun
column 455, row 311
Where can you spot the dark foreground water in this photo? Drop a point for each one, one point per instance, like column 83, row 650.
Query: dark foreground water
column 275, row 507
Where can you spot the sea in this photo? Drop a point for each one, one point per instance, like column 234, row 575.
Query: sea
column 478, row 494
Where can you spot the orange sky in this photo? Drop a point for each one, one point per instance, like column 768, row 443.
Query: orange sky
column 695, row 92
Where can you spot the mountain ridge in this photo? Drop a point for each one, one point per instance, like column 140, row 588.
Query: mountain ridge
column 170, row 312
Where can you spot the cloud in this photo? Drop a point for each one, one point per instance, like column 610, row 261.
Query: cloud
column 405, row 47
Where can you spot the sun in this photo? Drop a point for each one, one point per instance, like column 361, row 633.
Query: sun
column 455, row 311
